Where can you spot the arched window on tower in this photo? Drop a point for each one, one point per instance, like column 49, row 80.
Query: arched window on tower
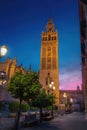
column 45, row 38
column 55, row 37
column 48, row 73
column 49, row 38
column 52, row 37
column 54, row 62
column 46, row 82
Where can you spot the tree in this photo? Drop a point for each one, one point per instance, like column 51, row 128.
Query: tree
column 13, row 106
column 24, row 87
column 43, row 100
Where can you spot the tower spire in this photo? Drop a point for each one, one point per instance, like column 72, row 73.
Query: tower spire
column 50, row 25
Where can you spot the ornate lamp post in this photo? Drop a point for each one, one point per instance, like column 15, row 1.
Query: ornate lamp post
column 3, row 50
column 52, row 87
column 71, row 100
column 65, row 97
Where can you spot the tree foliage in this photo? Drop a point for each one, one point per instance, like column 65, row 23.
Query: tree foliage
column 24, row 86
column 44, row 99
column 13, row 106
column 24, row 107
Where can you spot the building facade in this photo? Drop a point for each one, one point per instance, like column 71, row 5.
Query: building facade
column 83, row 36
column 49, row 59
column 7, row 70
column 72, row 96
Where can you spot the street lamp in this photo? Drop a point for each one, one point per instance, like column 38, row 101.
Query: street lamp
column 52, row 87
column 65, row 97
column 3, row 50
column 65, row 101
column 71, row 100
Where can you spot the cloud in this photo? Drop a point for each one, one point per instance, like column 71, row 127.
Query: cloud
column 70, row 77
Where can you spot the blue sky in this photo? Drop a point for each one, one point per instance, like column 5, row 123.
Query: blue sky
column 21, row 25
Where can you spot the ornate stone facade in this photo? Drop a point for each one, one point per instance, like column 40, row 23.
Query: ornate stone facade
column 72, row 96
column 49, row 59
column 8, row 69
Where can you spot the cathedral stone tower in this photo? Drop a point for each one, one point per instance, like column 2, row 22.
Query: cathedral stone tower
column 49, row 59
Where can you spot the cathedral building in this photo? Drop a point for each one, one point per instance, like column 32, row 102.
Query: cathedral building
column 49, row 72
column 8, row 69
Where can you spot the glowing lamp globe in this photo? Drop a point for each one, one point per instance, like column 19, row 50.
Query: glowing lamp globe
column 3, row 50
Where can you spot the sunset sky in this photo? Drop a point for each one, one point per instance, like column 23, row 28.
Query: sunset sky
column 21, row 25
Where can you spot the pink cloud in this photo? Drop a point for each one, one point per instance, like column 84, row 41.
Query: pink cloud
column 69, row 80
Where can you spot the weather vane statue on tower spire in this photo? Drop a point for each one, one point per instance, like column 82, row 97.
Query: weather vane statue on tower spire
column 50, row 25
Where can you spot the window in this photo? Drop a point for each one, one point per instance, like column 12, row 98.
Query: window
column 43, row 63
column 49, row 48
column 49, row 60
column 54, row 51
column 46, row 82
column 55, row 37
column 54, row 62
column 48, row 74
column 49, row 54
column 45, row 38
column 43, row 51
column 49, row 37
column 48, row 66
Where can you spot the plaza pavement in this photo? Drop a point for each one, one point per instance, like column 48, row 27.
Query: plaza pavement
column 74, row 121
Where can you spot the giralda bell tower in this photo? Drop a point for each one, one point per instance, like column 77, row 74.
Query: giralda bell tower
column 49, row 72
